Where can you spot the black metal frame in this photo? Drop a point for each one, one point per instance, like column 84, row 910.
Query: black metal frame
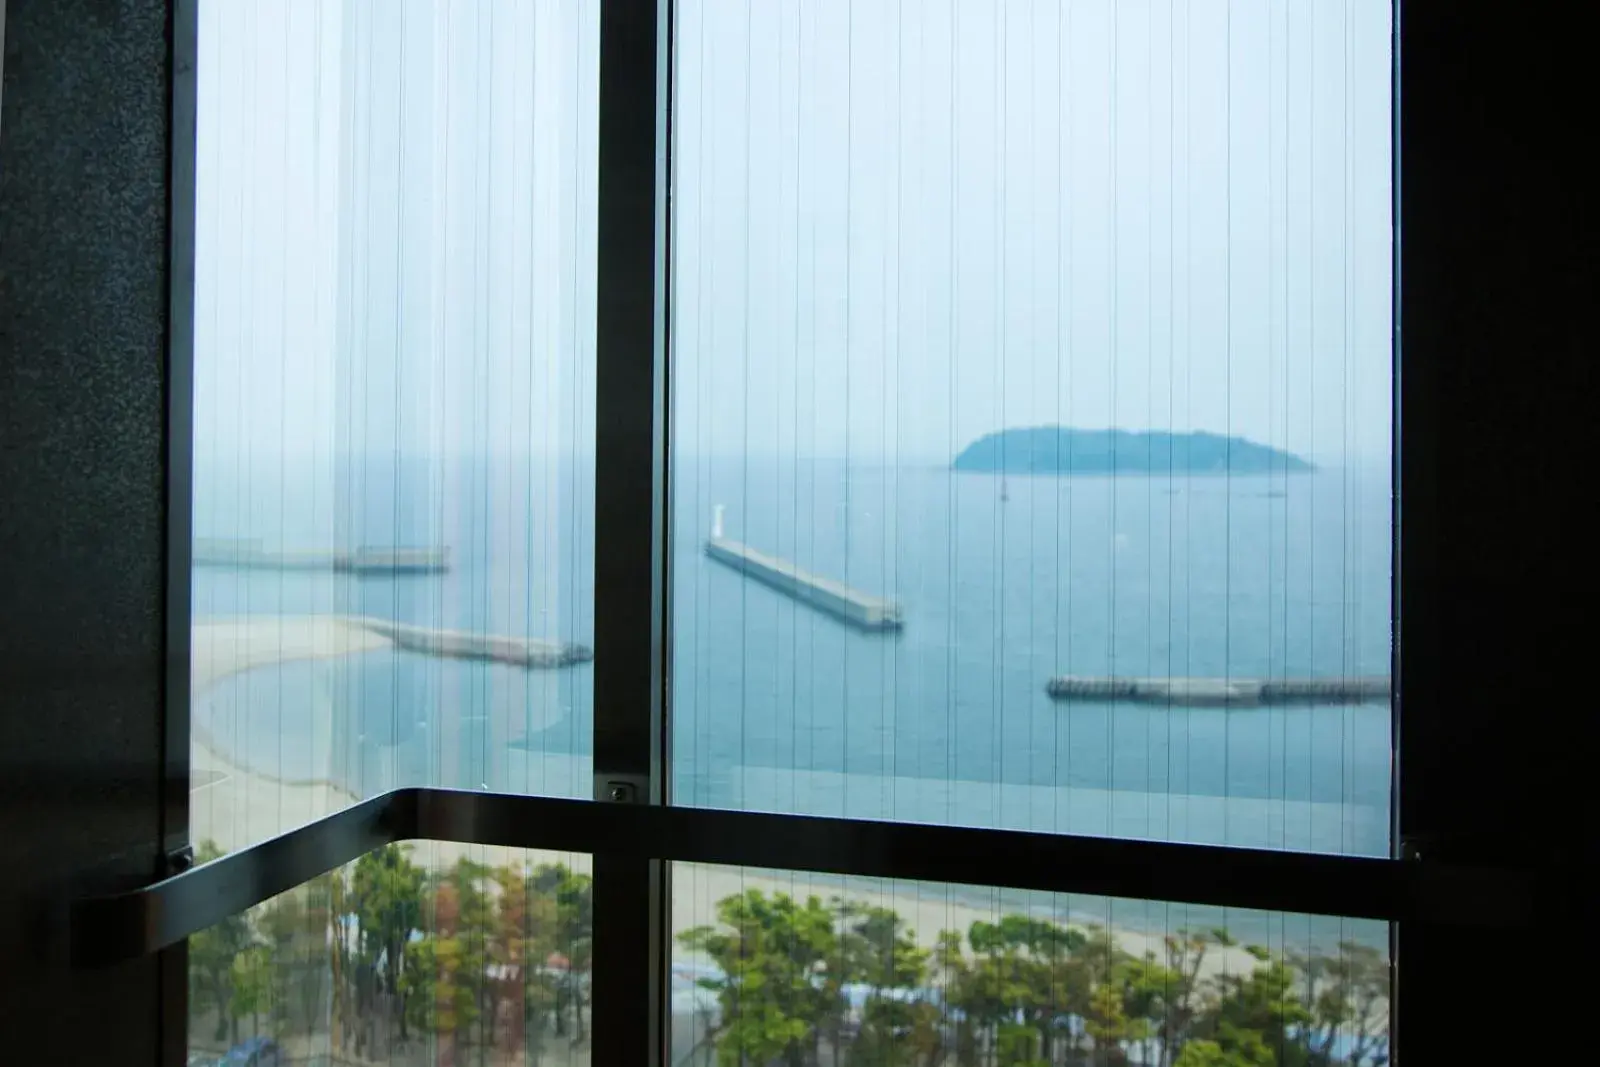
column 629, row 829
column 631, row 893
column 107, row 929
column 183, row 38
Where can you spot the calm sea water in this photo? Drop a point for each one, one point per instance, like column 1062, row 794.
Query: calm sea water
column 1003, row 584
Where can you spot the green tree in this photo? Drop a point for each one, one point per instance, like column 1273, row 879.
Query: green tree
column 898, row 1026
column 252, row 982
column 211, row 955
column 983, row 991
column 441, row 998
column 1261, row 1007
column 776, row 990
column 1346, row 993
column 1018, row 1045
column 1032, row 993
column 473, row 930
column 1033, row 974
column 1147, row 990
column 441, row 978
column 1203, row 1053
column 521, row 942
column 385, row 896
column 330, row 901
column 1184, row 994
column 991, row 995
column 1111, row 1026
column 952, row 973
column 573, row 939
column 295, row 928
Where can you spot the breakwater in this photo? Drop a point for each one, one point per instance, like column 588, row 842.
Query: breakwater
column 530, row 652
column 1219, row 692
column 858, row 609
column 367, row 560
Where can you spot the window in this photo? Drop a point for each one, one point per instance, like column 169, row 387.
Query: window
column 1032, row 431
column 394, row 405
column 769, row 964
column 977, row 469
column 413, row 953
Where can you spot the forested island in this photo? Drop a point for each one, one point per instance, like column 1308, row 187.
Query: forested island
column 1062, row 450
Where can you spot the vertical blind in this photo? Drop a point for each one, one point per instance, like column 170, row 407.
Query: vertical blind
column 394, row 403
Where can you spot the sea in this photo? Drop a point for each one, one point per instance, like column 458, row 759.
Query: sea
column 1004, row 581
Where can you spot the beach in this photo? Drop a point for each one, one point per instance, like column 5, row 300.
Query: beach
column 235, row 806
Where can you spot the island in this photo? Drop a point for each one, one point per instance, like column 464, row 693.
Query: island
column 1062, row 450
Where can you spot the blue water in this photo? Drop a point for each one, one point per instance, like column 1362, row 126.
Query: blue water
column 775, row 706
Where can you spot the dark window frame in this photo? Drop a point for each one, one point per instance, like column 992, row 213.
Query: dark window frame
column 628, row 828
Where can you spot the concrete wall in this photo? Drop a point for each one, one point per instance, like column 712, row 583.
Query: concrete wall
column 83, row 318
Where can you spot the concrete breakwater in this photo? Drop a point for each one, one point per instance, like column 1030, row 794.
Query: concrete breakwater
column 1219, row 692
column 530, row 652
column 366, row 560
column 826, row 595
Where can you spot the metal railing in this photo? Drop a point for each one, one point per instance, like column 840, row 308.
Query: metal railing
column 145, row 920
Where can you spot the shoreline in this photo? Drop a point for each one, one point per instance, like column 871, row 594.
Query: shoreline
column 234, row 806
column 927, row 908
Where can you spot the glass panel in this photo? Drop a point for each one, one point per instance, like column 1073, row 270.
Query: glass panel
column 417, row 954
column 1032, row 430
column 394, row 398
column 774, row 967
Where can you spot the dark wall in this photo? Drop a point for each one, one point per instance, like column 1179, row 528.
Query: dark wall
column 83, row 318
column 1498, row 345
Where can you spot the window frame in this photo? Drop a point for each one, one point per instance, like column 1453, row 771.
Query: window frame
column 628, row 827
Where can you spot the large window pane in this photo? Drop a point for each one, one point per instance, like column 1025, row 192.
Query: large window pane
column 776, row 967
column 1032, row 432
column 394, row 397
column 414, row 955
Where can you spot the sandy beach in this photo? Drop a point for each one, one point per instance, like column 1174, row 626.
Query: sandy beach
column 235, row 806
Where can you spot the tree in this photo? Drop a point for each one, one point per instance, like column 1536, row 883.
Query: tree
column 1147, row 989
column 1032, row 993
column 898, row 1025
column 330, row 899
column 574, row 939
column 1028, row 980
column 1186, row 954
column 472, row 928
column 776, row 987
column 386, row 895
column 1349, row 994
column 441, row 979
column 440, row 995
column 1203, row 1053
column 994, row 990
column 952, row 973
column 253, row 985
column 211, row 955
column 1110, row 1026
column 522, row 941
column 294, row 927
column 1261, row 1006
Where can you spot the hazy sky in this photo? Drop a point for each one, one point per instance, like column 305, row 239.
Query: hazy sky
column 898, row 225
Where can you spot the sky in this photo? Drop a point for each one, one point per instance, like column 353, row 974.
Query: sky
column 897, row 225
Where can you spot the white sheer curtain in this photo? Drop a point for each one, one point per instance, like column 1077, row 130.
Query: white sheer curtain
column 394, row 348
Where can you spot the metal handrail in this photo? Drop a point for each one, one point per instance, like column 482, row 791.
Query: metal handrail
column 125, row 925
